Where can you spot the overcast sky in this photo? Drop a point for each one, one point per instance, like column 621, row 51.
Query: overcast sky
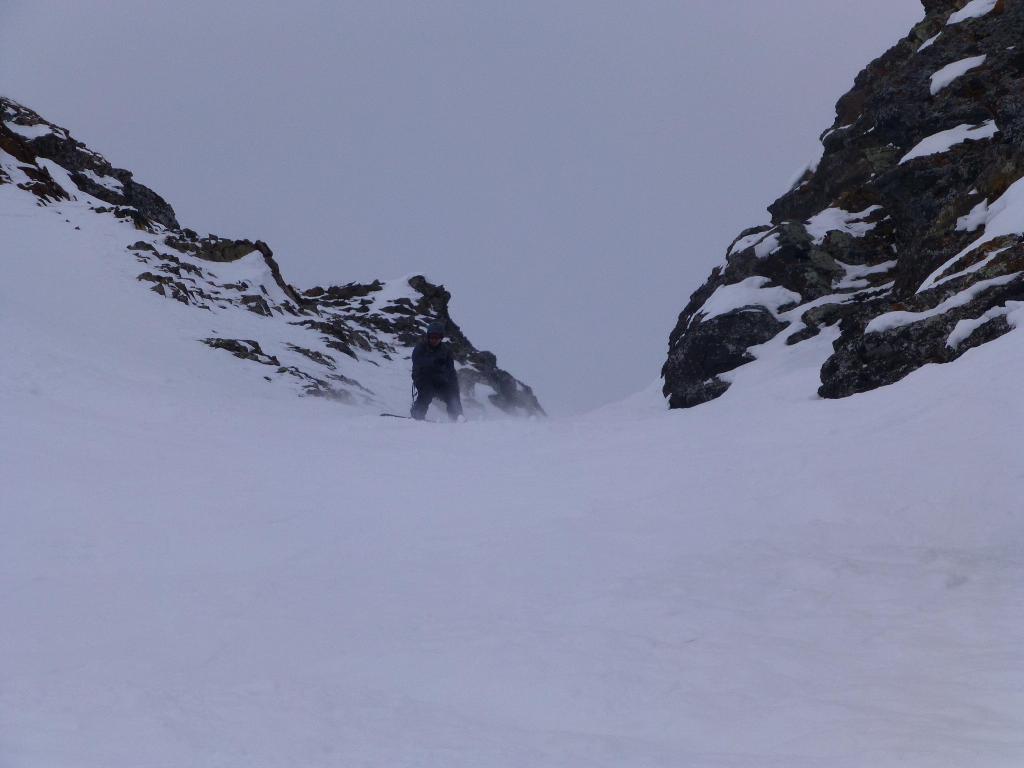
column 570, row 169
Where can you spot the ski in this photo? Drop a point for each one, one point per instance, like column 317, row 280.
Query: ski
column 410, row 418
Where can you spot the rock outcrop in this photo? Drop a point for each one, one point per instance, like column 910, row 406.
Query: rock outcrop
column 350, row 342
column 905, row 236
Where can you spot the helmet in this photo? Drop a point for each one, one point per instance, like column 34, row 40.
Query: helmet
column 436, row 328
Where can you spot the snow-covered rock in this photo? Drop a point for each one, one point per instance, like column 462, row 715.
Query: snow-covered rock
column 910, row 227
column 199, row 568
column 951, row 72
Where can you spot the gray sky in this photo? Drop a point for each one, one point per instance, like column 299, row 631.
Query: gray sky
column 570, row 169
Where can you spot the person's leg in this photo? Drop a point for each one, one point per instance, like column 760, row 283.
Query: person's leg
column 424, row 394
column 453, row 401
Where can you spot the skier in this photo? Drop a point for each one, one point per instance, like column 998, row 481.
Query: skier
column 433, row 373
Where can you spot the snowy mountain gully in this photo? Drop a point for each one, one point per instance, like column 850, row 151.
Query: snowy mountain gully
column 800, row 548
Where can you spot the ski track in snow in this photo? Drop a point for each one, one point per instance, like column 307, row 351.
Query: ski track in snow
column 201, row 569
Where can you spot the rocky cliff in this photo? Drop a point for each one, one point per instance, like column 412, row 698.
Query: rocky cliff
column 349, row 342
column 904, row 238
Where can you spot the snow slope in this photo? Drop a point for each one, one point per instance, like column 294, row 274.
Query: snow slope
column 348, row 342
column 200, row 569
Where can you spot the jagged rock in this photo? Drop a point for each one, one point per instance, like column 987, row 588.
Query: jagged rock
column 340, row 294
column 317, row 357
column 865, row 359
column 257, row 304
column 166, row 285
column 42, row 185
column 714, row 347
column 88, row 170
column 247, row 349
column 874, row 228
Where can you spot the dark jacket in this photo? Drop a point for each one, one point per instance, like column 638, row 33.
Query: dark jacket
column 433, row 365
